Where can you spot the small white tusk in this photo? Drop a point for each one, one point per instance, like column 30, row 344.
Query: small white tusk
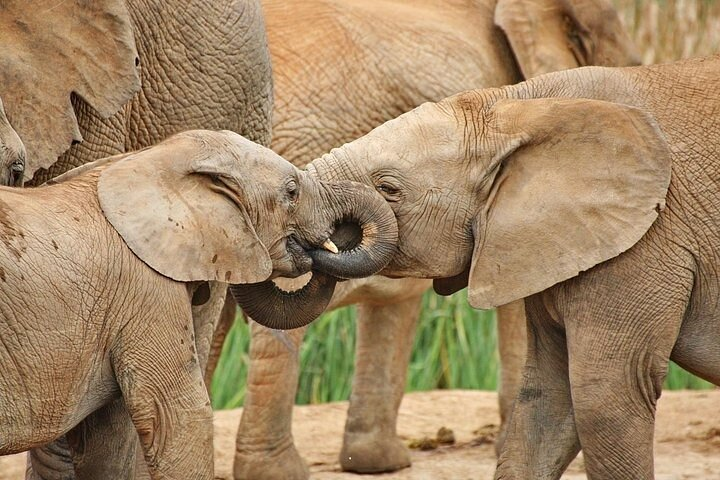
column 330, row 246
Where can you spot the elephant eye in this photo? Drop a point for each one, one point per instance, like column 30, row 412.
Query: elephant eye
column 389, row 183
column 389, row 191
column 291, row 188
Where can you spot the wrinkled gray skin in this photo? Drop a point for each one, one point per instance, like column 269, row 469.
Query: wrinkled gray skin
column 340, row 69
column 199, row 65
column 97, row 310
column 610, row 141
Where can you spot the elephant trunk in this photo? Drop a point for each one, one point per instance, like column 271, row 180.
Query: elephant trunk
column 274, row 308
column 365, row 228
column 366, row 231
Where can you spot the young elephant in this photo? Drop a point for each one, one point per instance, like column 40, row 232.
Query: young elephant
column 99, row 271
column 592, row 192
column 341, row 68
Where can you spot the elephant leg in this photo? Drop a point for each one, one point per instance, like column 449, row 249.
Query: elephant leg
column 618, row 364
column 225, row 323
column 512, row 345
column 384, row 343
column 104, row 444
column 541, row 438
column 162, row 385
column 51, row 462
column 265, row 449
column 207, row 313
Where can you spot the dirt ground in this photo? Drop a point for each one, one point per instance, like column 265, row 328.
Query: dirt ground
column 687, row 444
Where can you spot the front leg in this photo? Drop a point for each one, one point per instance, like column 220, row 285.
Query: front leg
column 265, row 449
column 50, row 462
column 384, row 344
column 512, row 346
column 104, row 444
column 618, row 364
column 541, row 438
column 161, row 381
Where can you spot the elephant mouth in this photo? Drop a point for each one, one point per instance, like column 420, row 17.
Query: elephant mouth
column 357, row 245
column 346, row 238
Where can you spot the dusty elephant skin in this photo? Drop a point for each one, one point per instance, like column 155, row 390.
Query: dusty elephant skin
column 619, row 271
column 340, row 69
column 83, row 80
column 99, row 288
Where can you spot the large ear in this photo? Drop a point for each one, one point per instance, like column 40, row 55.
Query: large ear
column 165, row 205
column 578, row 182
column 551, row 35
column 52, row 49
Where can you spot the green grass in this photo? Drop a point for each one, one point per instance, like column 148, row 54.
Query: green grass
column 455, row 347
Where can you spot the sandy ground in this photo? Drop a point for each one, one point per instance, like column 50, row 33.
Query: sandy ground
column 687, row 442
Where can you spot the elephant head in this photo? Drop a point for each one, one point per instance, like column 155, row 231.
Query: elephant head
column 12, row 153
column 552, row 35
column 53, row 50
column 510, row 193
column 213, row 206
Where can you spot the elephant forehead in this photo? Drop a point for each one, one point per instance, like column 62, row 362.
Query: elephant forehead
column 229, row 153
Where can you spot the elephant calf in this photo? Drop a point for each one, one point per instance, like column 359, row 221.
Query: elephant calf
column 99, row 270
column 592, row 193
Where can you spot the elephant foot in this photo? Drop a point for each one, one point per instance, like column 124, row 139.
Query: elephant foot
column 373, row 453
column 285, row 463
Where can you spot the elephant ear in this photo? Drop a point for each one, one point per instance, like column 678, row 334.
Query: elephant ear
column 578, row 182
column 552, row 35
column 165, row 204
column 53, row 49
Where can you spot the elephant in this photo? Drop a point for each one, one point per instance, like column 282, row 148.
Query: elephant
column 592, row 194
column 341, row 68
column 99, row 288
column 85, row 80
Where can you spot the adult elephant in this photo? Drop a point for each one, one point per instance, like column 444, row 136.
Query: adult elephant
column 82, row 80
column 593, row 193
column 340, row 69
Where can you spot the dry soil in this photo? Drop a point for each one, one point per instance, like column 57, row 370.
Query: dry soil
column 687, row 444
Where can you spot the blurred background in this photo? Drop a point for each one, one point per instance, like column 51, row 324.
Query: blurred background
column 455, row 345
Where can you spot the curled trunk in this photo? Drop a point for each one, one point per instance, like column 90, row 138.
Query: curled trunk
column 349, row 207
column 274, row 308
column 361, row 206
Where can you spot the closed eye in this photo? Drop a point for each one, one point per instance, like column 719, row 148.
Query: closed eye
column 388, row 189
column 292, row 191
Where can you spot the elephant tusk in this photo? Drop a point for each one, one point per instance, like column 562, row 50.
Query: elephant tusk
column 330, row 246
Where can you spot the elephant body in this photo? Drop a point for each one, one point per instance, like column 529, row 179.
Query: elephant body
column 592, row 194
column 73, row 311
column 658, row 299
column 341, row 68
column 94, row 79
column 195, row 66
column 99, row 290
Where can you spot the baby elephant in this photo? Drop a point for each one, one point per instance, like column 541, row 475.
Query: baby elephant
column 98, row 272
column 594, row 194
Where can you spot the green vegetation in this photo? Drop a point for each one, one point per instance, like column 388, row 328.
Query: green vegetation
column 454, row 348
